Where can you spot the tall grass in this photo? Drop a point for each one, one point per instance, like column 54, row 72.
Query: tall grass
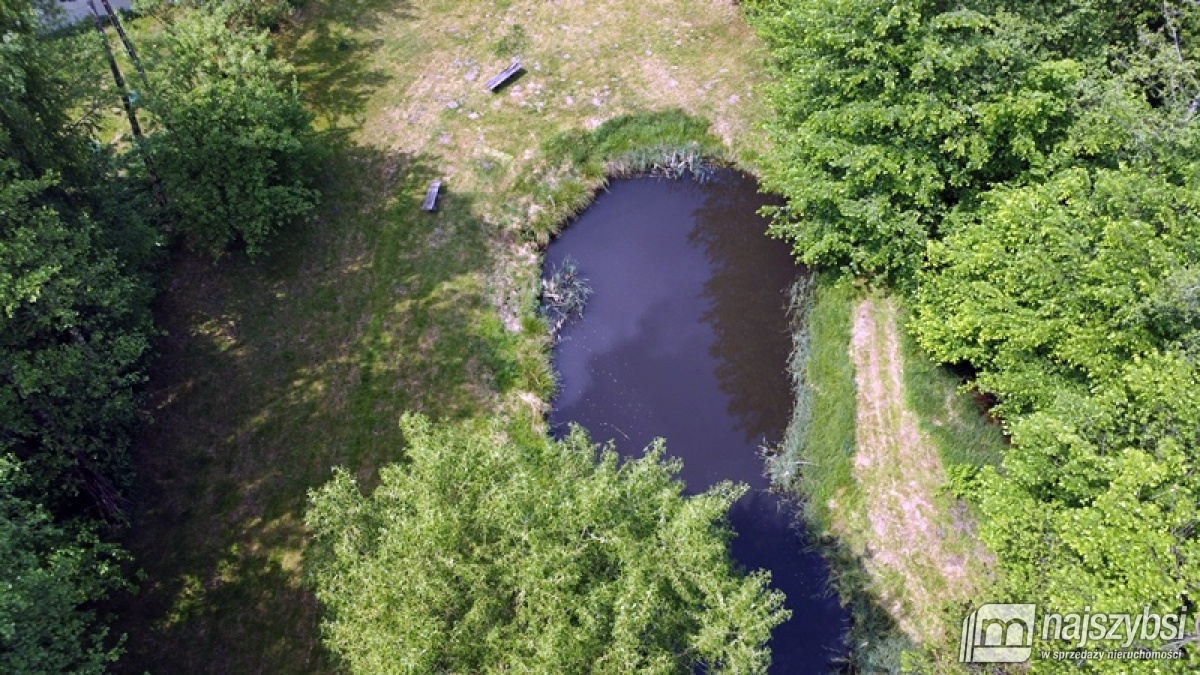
column 664, row 161
column 949, row 414
column 575, row 164
column 816, row 458
column 785, row 463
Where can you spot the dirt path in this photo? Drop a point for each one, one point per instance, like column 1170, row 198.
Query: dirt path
column 914, row 540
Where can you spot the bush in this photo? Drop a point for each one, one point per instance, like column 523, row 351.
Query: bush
column 235, row 150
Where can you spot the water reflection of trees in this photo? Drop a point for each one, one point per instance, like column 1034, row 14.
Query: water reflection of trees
column 751, row 273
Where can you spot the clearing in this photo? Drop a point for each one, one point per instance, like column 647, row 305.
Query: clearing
column 272, row 373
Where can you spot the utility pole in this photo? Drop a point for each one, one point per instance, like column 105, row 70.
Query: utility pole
column 116, row 22
column 118, row 78
column 122, row 87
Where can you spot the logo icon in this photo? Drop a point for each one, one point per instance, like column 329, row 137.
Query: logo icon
column 998, row 634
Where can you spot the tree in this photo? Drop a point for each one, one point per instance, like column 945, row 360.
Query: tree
column 1097, row 508
column 479, row 554
column 74, row 336
column 891, row 114
column 235, row 149
column 74, row 307
column 49, row 574
column 35, row 131
column 1057, row 286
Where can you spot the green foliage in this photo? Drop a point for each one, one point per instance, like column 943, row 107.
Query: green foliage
column 669, row 143
column 74, row 319
column 258, row 13
column 75, row 330
column 1027, row 172
column 783, row 464
column 892, row 113
column 1075, row 299
column 74, row 333
column 1100, row 506
column 33, row 103
column 817, row 454
column 966, row 439
column 49, row 575
column 235, row 148
column 236, row 13
column 1050, row 287
column 480, row 554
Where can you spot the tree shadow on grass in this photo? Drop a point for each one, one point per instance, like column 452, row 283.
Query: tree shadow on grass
column 270, row 373
column 875, row 642
column 333, row 62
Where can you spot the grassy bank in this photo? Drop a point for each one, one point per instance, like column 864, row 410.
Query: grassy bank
column 273, row 372
column 875, row 429
column 954, row 420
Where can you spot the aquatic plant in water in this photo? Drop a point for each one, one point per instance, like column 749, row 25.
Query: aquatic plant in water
column 663, row 162
column 564, row 294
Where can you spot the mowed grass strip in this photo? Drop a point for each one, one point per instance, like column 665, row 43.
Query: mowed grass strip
column 274, row 371
column 870, row 468
column 917, row 547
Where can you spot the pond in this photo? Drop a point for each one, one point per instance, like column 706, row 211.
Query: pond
column 685, row 337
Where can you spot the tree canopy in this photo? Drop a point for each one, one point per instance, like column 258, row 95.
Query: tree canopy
column 891, row 114
column 480, row 553
column 1025, row 173
column 49, row 574
column 235, row 148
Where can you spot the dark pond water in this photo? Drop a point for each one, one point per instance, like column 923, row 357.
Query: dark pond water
column 685, row 337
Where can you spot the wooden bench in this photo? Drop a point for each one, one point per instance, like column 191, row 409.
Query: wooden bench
column 431, row 196
column 507, row 74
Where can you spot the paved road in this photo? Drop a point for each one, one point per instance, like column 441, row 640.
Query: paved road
column 77, row 9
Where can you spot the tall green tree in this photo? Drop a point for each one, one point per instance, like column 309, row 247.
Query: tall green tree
column 74, row 337
column 1076, row 301
column 74, row 319
column 481, row 554
column 49, row 576
column 890, row 114
column 234, row 149
column 35, row 129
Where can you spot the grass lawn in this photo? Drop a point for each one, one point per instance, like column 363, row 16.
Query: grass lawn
column 273, row 372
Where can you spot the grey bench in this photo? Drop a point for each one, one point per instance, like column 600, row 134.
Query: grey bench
column 507, row 74
column 431, row 196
